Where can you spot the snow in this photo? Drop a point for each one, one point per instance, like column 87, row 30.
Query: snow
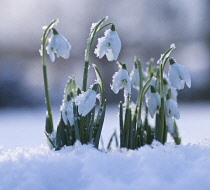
column 34, row 166
column 83, row 167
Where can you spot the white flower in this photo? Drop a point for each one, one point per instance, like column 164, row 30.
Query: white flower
column 59, row 45
column 178, row 75
column 121, row 80
column 153, row 102
column 168, row 86
column 153, row 83
column 110, row 45
column 171, row 109
column 134, row 76
column 86, row 101
column 67, row 113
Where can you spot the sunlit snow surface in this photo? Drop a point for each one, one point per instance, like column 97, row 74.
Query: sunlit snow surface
column 85, row 168
column 166, row 167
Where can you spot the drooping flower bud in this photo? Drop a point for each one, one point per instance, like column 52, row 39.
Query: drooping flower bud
column 86, row 101
column 178, row 75
column 171, row 109
column 58, row 45
column 109, row 45
column 67, row 113
column 121, row 80
column 153, row 101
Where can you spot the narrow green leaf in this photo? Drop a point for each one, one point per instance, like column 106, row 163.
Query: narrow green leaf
column 122, row 134
column 100, row 121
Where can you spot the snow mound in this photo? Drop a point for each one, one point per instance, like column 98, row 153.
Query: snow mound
column 83, row 167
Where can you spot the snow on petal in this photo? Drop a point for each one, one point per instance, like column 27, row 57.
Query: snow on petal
column 67, row 113
column 121, row 80
column 109, row 45
column 86, row 101
column 171, row 109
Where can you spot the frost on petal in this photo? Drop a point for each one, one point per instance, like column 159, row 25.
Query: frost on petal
column 173, row 46
column 86, row 101
column 174, row 76
column 153, row 103
column 121, row 80
column 109, row 45
column 67, row 113
column 171, row 109
column 101, row 48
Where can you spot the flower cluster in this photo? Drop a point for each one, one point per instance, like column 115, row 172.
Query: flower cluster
column 82, row 115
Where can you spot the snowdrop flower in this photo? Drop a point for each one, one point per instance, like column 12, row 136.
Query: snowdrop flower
column 134, row 76
column 153, row 101
column 121, row 80
column 171, row 109
column 178, row 75
column 59, row 45
column 109, row 45
column 168, row 86
column 153, row 83
column 86, row 101
column 67, row 113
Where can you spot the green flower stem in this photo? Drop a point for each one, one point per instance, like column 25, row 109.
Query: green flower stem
column 106, row 26
column 49, row 119
column 141, row 95
column 138, row 64
column 87, row 53
column 162, row 115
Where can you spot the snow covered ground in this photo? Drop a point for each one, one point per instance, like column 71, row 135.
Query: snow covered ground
column 33, row 166
column 25, row 127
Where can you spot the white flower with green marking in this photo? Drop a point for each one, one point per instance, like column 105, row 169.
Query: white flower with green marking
column 109, row 45
column 153, row 101
column 58, row 45
column 86, row 101
column 171, row 109
column 178, row 75
column 67, row 113
column 121, row 80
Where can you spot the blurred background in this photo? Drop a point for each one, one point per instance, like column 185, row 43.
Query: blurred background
column 146, row 29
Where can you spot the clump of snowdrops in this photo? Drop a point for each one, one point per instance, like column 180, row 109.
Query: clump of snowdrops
column 82, row 115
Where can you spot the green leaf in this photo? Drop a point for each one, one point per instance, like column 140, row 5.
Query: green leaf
column 122, row 135
column 158, row 128
column 61, row 135
column 99, row 124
